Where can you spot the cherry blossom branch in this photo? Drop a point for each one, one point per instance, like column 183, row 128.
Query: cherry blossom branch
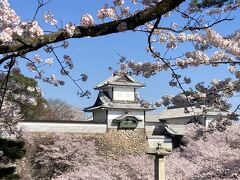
column 237, row 108
column 207, row 4
column 36, row 68
column 132, row 22
column 157, row 55
column 82, row 93
column 41, row 3
column 5, row 82
column 192, row 28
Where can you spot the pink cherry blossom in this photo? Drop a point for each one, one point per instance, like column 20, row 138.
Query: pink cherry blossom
column 87, row 20
column 49, row 18
column 70, row 28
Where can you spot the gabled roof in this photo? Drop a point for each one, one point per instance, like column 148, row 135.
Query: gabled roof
column 103, row 98
column 175, row 129
column 119, row 80
column 172, row 113
column 122, row 117
column 104, row 101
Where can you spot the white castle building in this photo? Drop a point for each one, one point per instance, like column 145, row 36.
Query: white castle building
column 118, row 107
column 118, row 104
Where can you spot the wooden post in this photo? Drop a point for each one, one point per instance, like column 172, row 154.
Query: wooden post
column 159, row 167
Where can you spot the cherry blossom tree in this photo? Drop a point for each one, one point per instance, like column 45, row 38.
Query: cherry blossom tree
column 58, row 110
column 79, row 157
column 207, row 154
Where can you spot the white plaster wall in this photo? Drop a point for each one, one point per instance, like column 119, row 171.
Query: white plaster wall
column 112, row 114
column 150, row 126
column 149, row 129
column 205, row 120
column 164, row 142
column 62, row 127
column 178, row 120
column 183, row 121
column 100, row 116
column 208, row 121
column 123, row 94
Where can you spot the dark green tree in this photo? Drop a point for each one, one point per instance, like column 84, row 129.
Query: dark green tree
column 10, row 151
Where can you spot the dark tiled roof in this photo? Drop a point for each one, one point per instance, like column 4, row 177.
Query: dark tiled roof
column 175, row 129
column 119, row 118
column 119, row 80
column 173, row 113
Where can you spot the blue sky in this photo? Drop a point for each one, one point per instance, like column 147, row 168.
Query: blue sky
column 93, row 56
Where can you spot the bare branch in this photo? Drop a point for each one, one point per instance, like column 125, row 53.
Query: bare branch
column 73, row 80
column 5, row 81
column 237, row 108
column 41, row 3
column 192, row 28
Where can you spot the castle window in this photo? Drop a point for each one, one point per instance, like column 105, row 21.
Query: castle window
column 127, row 122
column 119, row 95
column 128, row 95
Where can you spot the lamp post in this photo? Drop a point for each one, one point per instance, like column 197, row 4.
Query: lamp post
column 159, row 163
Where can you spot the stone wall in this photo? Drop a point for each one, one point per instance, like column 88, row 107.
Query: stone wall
column 117, row 143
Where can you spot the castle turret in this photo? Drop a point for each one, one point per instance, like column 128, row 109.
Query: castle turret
column 118, row 104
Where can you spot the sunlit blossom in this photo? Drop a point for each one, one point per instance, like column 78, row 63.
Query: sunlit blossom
column 87, row 20
column 49, row 61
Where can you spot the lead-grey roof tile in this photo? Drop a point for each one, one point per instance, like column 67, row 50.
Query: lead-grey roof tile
column 115, row 80
column 173, row 113
column 175, row 129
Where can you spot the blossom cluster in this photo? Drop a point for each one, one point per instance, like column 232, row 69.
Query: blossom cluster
column 147, row 69
column 78, row 156
column 49, row 18
column 70, row 28
column 118, row 2
column 206, row 154
column 21, row 93
column 107, row 12
column 115, row 12
column 87, row 20
column 9, row 115
column 214, row 95
column 202, row 43
column 37, row 62
column 9, row 22
column 11, row 26
column 231, row 6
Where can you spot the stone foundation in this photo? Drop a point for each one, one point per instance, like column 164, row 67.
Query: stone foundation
column 117, row 143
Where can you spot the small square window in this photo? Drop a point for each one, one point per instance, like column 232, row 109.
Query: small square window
column 128, row 95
